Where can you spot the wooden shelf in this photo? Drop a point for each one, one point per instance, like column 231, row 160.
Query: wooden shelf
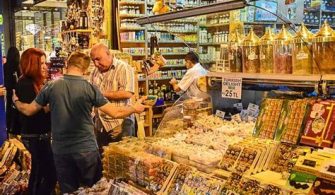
column 131, row 15
column 213, row 25
column 212, row 44
column 77, row 31
column 278, row 77
column 132, row 41
column 174, row 66
column 131, row 3
column 157, row 116
column 131, row 28
column 159, row 79
column 328, row 11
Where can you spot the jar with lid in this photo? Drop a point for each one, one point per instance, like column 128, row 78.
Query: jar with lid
column 324, row 49
column 302, row 58
column 266, row 52
column 283, row 52
column 250, row 53
column 235, row 52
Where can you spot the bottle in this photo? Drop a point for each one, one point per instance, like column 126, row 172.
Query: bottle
column 151, row 89
column 83, row 20
column 155, row 88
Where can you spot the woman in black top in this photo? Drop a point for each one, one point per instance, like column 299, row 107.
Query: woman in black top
column 11, row 75
column 36, row 129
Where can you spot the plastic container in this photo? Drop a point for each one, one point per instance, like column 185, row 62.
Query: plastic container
column 283, row 52
column 324, row 50
column 235, row 52
column 250, row 53
column 266, row 52
column 302, row 57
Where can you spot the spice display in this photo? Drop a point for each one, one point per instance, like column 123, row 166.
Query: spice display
column 250, row 53
column 302, row 58
column 235, row 52
column 324, row 49
column 283, row 52
column 266, row 52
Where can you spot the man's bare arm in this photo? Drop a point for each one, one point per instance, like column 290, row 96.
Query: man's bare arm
column 118, row 95
column 122, row 112
column 28, row 109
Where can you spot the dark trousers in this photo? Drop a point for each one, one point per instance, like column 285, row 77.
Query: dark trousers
column 42, row 178
column 103, row 137
column 78, row 169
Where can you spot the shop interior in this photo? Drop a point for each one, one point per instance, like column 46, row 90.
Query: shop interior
column 264, row 122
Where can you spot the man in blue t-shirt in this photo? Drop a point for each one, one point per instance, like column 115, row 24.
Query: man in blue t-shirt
column 71, row 99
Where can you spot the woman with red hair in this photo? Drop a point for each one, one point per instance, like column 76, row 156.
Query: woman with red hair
column 35, row 130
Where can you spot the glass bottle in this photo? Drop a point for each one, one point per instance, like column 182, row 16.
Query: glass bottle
column 83, row 20
column 302, row 52
column 266, row 52
column 235, row 52
column 250, row 53
column 324, row 50
column 283, row 52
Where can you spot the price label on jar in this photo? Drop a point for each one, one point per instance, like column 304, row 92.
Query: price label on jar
column 232, row 88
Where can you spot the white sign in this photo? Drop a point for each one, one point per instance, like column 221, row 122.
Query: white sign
column 33, row 28
column 232, row 88
column 220, row 114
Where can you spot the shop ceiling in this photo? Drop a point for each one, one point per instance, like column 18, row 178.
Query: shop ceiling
column 37, row 4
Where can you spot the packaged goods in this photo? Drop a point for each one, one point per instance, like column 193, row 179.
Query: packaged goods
column 283, row 52
column 268, row 118
column 319, row 129
column 302, row 58
column 282, row 160
column 324, row 49
column 292, row 120
column 266, row 52
column 250, row 53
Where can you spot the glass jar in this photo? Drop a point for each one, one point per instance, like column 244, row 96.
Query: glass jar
column 283, row 52
column 235, row 52
column 266, row 52
column 302, row 52
column 324, row 49
column 250, row 53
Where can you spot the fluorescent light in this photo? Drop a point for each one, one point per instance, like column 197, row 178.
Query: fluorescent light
column 226, row 5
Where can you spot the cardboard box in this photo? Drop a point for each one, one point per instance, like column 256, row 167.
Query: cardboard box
column 319, row 125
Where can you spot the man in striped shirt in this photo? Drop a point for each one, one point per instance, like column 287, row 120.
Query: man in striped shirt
column 115, row 79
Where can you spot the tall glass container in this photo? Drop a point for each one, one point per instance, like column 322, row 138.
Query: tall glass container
column 235, row 52
column 324, row 49
column 302, row 57
column 266, row 52
column 283, row 52
column 250, row 53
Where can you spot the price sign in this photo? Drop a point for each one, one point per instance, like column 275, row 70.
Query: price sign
column 220, row 114
column 232, row 88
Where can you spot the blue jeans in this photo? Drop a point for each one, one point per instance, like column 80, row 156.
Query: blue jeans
column 74, row 170
column 42, row 179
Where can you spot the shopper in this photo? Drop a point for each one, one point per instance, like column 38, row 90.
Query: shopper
column 188, row 83
column 115, row 79
column 11, row 75
column 71, row 99
column 35, row 132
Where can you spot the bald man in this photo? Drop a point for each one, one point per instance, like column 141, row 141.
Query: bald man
column 115, row 79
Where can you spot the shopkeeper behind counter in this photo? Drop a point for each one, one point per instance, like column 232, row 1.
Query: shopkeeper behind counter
column 188, row 83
